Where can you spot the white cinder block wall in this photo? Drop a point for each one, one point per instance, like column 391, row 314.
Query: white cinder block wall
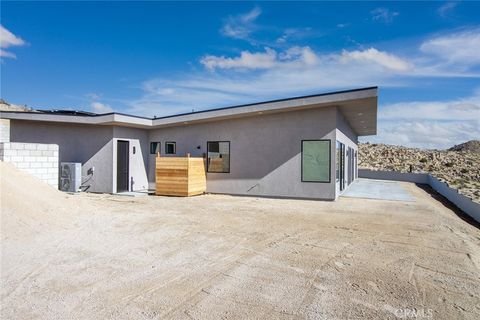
column 40, row 160
column 4, row 130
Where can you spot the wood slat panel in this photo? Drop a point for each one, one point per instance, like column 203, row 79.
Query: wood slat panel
column 177, row 176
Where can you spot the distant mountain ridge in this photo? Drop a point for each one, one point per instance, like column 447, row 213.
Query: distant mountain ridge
column 469, row 146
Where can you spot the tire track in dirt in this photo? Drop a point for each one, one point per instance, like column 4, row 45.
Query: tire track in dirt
column 193, row 296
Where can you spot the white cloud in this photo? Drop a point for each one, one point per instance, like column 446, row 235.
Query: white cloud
column 430, row 124
column 425, row 134
column 461, row 109
column 241, row 26
column 300, row 56
column 7, row 40
column 99, row 107
column 288, row 33
column 294, row 34
column 294, row 56
column 251, row 16
column 93, row 95
column 383, row 15
column 462, row 47
column 268, row 74
column 384, row 59
column 7, row 54
column 246, row 60
column 296, row 71
column 165, row 97
column 445, row 9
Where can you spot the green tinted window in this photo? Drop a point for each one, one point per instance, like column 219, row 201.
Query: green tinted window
column 316, row 160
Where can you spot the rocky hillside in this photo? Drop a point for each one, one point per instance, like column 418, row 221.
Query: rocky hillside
column 458, row 166
column 5, row 106
column 469, row 146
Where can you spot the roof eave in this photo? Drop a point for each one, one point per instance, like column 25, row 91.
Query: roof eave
column 282, row 105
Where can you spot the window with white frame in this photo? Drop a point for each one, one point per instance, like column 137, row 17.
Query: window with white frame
column 170, row 147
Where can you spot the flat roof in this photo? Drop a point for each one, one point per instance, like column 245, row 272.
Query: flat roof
column 359, row 107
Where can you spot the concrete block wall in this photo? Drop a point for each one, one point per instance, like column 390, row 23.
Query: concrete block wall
column 4, row 130
column 466, row 204
column 394, row 175
column 40, row 160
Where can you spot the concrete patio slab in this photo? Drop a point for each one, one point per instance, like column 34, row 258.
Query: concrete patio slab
column 378, row 189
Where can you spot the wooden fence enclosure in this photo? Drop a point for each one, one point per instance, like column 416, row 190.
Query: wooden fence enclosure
column 180, row 176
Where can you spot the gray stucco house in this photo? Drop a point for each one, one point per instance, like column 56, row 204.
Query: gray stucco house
column 302, row 147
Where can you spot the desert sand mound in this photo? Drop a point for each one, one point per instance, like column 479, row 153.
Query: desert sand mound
column 29, row 205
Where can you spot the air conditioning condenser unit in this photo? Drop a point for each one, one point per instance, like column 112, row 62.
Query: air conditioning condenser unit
column 70, row 176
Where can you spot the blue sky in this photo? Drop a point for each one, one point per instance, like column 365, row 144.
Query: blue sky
column 156, row 58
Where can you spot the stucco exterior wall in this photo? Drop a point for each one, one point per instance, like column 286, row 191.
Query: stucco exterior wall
column 138, row 163
column 88, row 144
column 265, row 152
column 95, row 147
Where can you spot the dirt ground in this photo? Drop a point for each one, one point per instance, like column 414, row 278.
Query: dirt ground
column 211, row 257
